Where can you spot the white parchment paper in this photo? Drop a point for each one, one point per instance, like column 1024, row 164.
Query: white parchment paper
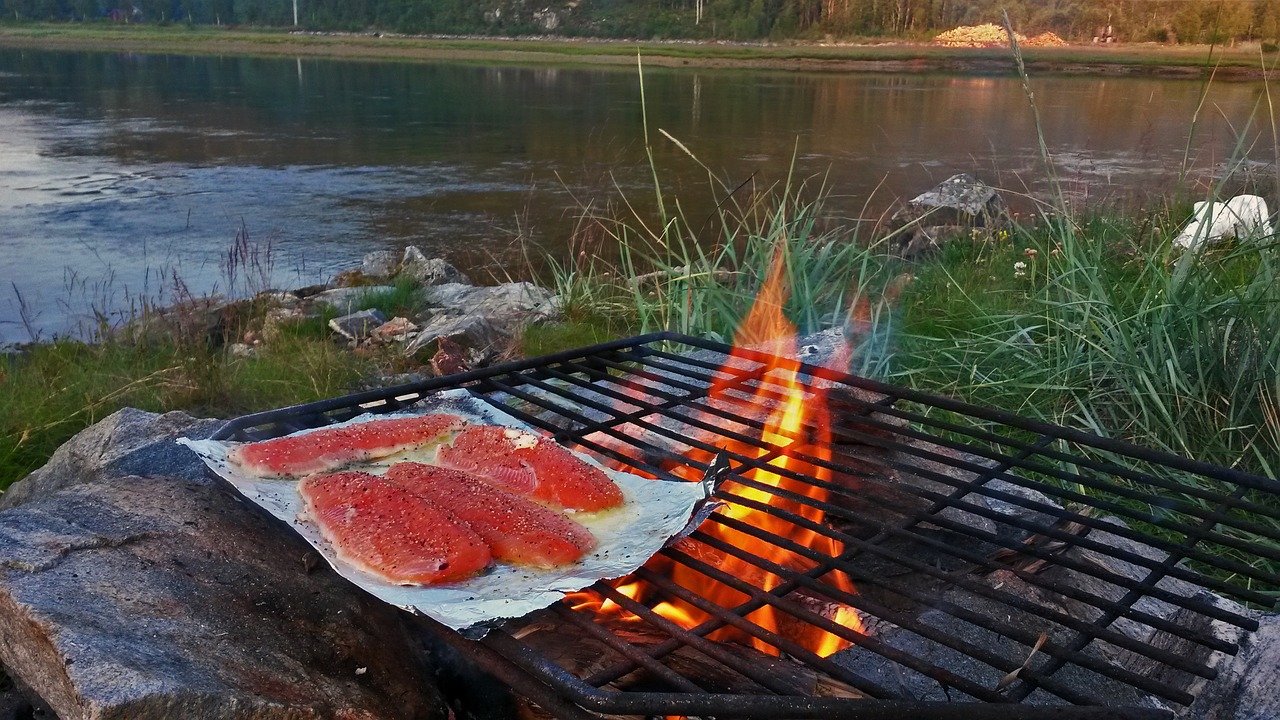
column 629, row 535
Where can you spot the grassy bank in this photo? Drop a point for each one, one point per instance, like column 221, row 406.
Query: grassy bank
column 1243, row 60
column 51, row 391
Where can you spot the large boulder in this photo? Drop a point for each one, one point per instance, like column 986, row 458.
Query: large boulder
column 953, row 208
column 483, row 321
column 127, row 442
column 165, row 596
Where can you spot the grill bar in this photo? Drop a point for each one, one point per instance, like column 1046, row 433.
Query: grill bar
column 944, row 501
column 928, row 501
column 1206, row 558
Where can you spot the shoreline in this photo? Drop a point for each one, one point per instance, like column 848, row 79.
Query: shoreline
column 1240, row 63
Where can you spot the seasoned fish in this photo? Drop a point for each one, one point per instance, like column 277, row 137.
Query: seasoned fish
column 517, row 530
column 392, row 533
column 331, row 448
column 527, row 464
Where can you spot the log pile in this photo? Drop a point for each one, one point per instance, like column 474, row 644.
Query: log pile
column 990, row 35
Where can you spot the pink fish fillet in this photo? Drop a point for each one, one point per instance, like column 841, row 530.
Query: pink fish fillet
column 517, row 530
column 526, row 464
column 392, row 533
column 331, row 448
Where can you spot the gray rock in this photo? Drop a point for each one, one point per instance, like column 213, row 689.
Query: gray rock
column 430, row 271
column 524, row 300
column 157, row 597
column 1246, row 689
column 380, row 263
column 481, row 338
column 358, row 326
column 483, row 321
column 347, row 300
column 957, row 204
column 127, row 442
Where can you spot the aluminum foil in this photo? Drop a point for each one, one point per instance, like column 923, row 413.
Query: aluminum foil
column 654, row 511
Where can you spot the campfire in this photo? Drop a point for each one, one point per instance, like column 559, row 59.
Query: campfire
column 794, row 428
column 872, row 544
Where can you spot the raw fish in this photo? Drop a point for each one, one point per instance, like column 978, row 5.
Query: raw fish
column 517, row 530
column 526, row 464
column 330, row 448
column 392, row 533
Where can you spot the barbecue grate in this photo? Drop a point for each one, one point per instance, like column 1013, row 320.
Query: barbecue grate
column 993, row 495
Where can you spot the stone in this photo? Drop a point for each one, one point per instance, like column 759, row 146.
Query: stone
column 358, row 326
column 430, row 271
column 1246, row 689
column 242, row 350
column 347, row 300
column 202, row 318
column 129, row 441
column 159, row 597
column 958, row 203
column 482, row 321
column 380, row 263
column 521, row 299
column 275, row 319
column 396, row 329
column 479, row 337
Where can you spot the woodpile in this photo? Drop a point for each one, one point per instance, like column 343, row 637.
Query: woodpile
column 990, row 35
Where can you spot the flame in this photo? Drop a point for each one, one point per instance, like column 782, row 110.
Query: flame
column 796, row 424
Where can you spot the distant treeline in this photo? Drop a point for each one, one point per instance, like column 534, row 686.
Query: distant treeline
column 1186, row 21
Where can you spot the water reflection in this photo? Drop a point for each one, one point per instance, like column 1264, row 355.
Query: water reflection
column 136, row 159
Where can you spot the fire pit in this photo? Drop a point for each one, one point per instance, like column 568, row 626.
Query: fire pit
column 881, row 551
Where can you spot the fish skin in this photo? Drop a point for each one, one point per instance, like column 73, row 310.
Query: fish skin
column 391, row 533
column 329, row 448
column 527, row 464
column 518, row 530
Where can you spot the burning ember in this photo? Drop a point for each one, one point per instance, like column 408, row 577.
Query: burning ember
column 761, row 531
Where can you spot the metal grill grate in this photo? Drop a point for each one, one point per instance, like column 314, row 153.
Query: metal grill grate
column 1007, row 564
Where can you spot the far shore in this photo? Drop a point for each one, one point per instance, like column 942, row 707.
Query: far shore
column 1241, row 62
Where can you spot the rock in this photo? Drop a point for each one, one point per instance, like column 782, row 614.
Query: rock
column 348, row 299
column 380, row 263
column 482, row 321
column 159, row 597
column 957, row 204
column 479, row 338
column 127, row 442
column 358, row 326
column 1246, row 689
column 242, row 350
column 525, row 300
column 430, row 271
column 275, row 319
column 396, row 329
column 196, row 319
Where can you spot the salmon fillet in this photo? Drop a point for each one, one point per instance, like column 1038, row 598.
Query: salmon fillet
column 518, row 530
column 331, row 448
column 526, row 464
column 391, row 533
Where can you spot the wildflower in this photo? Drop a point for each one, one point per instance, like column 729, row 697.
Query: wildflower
column 1031, row 253
column 1056, row 251
column 1019, row 269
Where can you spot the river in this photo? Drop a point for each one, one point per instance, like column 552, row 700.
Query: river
column 125, row 179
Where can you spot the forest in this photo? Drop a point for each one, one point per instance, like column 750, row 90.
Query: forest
column 1165, row 21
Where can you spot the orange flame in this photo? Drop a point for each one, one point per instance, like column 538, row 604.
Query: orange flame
column 796, row 423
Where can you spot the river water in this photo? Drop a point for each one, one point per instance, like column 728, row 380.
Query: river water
column 126, row 178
